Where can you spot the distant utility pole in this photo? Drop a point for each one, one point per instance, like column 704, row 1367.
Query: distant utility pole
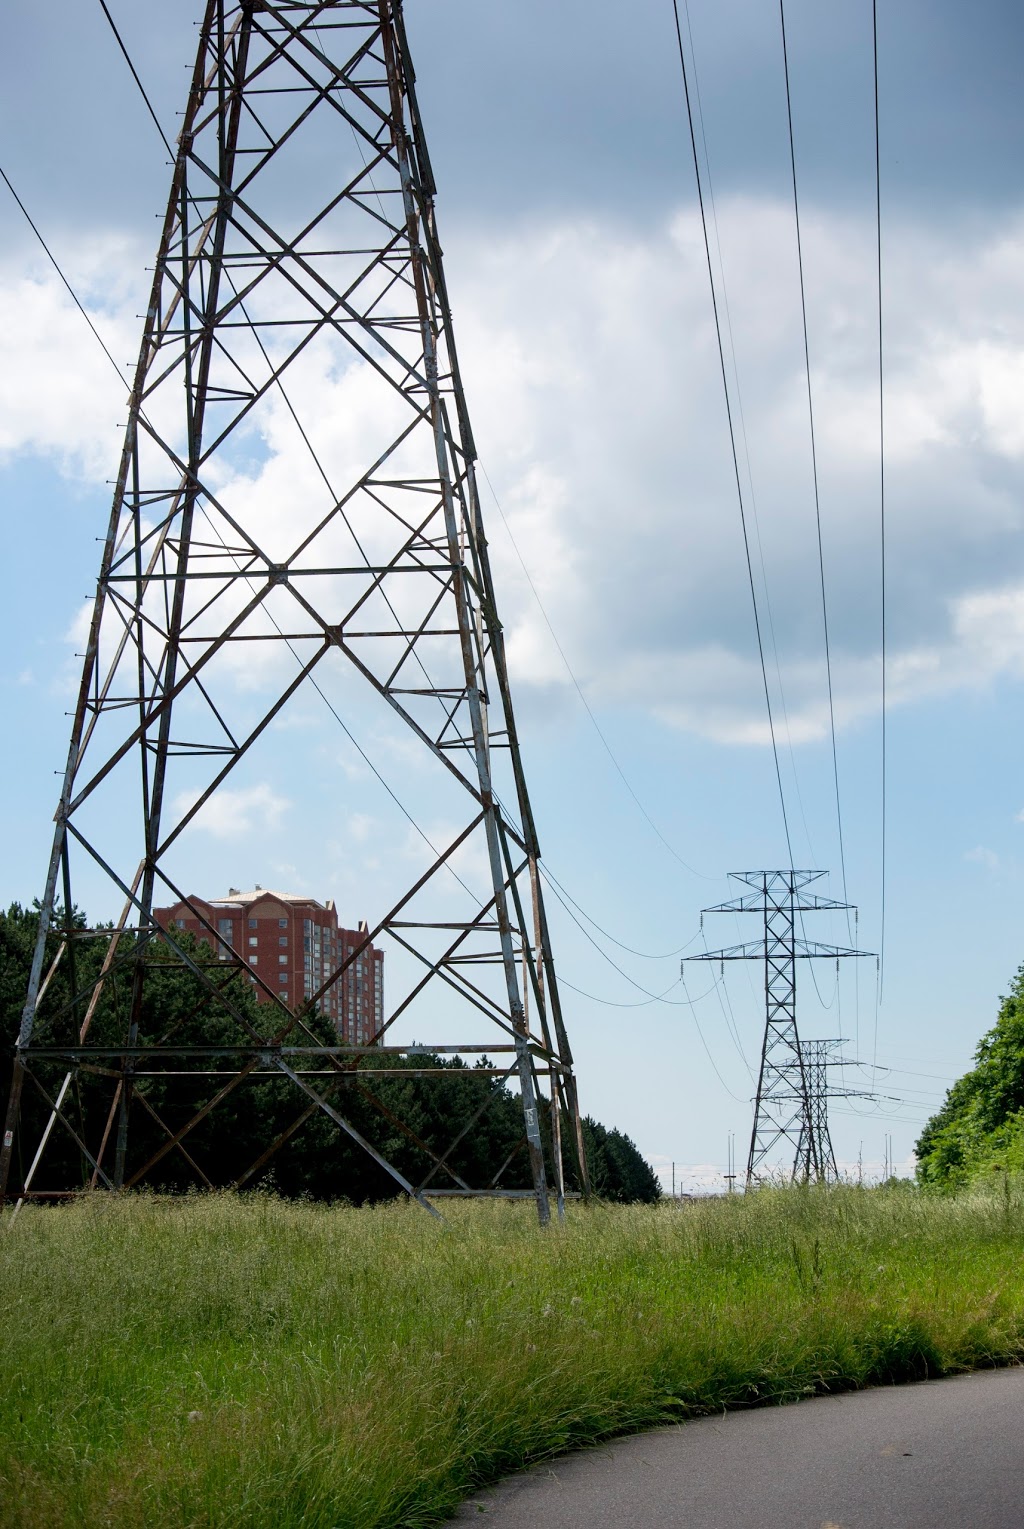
column 730, row 1154
column 792, row 1091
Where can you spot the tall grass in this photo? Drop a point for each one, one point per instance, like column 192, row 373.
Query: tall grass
column 224, row 1361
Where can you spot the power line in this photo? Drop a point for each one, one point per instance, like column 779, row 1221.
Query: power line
column 729, row 418
column 650, row 997
column 643, row 954
column 738, row 393
column 654, row 997
column 881, row 477
column 53, row 261
column 641, row 1003
column 707, row 1053
column 814, row 979
column 910, row 1072
column 814, row 448
column 728, row 1015
column 135, row 76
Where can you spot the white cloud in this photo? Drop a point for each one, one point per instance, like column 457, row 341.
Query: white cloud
column 590, row 363
column 361, row 827
column 59, row 394
column 232, row 814
column 609, row 411
column 982, row 856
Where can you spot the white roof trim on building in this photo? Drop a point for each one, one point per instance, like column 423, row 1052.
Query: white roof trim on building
column 242, row 899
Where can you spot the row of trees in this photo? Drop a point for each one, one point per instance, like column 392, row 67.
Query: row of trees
column 398, row 1113
column 980, row 1127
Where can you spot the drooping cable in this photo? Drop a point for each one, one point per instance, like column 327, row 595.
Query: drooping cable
column 653, row 997
column 642, row 954
column 53, row 261
column 881, row 484
column 640, row 1003
column 731, row 426
column 814, row 447
column 135, row 76
column 741, row 421
column 707, row 1053
column 728, row 1015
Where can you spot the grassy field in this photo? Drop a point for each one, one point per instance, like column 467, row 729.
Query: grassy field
column 223, row 1361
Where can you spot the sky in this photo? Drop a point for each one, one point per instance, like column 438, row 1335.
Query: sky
column 575, row 266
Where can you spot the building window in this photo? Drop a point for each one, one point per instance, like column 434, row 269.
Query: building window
column 282, row 939
column 283, row 993
column 252, row 923
column 282, row 960
column 253, row 960
column 282, row 923
column 253, row 939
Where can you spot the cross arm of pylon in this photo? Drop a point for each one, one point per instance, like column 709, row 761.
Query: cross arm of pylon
column 753, row 902
column 753, row 950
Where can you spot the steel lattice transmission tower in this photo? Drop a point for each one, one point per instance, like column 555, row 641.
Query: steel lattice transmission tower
column 815, row 1145
column 299, row 253
column 786, row 1108
column 815, row 1156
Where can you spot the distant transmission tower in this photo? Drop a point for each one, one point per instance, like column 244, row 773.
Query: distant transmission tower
column 791, row 1105
column 298, row 254
column 815, row 1139
column 814, row 1154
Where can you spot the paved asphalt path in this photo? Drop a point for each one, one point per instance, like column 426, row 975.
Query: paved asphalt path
column 944, row 1454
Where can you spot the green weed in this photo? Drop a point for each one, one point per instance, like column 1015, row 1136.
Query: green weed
column 224, row 1361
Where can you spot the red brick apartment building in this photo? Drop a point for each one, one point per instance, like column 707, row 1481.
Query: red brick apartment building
column 294, row 943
